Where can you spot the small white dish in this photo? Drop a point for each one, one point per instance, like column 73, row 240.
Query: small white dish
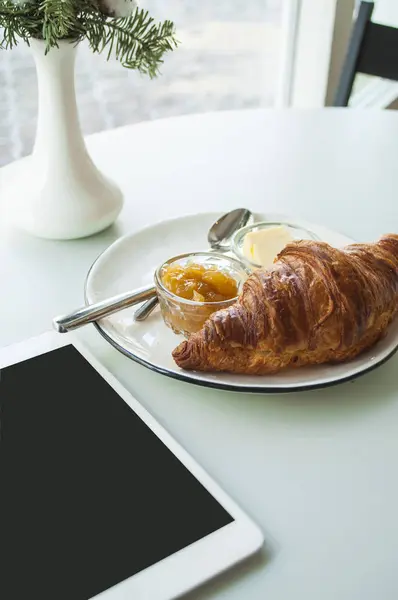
column 237, row 242
column 132, row 261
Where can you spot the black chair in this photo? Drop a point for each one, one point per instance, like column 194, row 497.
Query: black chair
column 372, row 50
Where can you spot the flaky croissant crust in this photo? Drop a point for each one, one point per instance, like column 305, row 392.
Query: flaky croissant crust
column 316, row 304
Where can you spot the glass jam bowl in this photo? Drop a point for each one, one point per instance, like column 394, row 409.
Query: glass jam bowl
column 296, row 232
column 188, row 316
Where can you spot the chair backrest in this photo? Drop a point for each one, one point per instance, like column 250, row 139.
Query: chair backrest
column 372, row 50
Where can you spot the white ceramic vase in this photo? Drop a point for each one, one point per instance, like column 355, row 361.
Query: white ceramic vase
column 58, row 192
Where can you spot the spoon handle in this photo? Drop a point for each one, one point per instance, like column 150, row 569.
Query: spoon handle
column 146, row 309
column 93, row 312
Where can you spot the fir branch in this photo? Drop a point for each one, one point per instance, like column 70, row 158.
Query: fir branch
column 17, row 22
column 136, row 41
column 59, row 17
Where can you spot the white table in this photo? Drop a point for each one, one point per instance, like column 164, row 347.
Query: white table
column 318, row 471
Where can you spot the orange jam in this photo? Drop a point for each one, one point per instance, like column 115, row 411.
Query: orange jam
column 199, row 283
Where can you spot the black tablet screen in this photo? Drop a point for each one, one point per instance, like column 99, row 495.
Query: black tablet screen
column 89, row 496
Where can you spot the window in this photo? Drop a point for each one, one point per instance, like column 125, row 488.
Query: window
column 234, row 54
column 228, row 59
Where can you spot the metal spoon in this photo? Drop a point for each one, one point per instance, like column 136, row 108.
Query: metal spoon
column 219, row 238
column 220, row 233
column 94, row 312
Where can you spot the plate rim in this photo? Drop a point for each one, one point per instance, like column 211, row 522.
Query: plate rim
column 186, row 378
column 280, row 389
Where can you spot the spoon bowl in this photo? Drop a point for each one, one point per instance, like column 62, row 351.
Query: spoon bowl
column 222, row 230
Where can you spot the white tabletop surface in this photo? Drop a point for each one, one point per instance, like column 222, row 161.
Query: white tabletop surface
column 318, row 471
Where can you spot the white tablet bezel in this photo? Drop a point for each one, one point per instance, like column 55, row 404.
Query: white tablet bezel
column 199, row 562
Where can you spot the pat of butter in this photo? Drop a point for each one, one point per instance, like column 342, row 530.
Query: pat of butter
column 261, row 247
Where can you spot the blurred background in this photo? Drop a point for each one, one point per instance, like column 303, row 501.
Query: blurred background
column 228, row 58
column 234, row 54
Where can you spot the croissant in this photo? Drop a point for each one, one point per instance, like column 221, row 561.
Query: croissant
column 316, row 304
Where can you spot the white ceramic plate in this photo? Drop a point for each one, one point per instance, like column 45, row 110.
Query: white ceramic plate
column 131, row 261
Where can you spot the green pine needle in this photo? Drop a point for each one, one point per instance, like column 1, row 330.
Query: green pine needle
column 136, row 41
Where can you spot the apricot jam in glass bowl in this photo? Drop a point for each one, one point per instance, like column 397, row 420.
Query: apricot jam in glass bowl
column 191, row 287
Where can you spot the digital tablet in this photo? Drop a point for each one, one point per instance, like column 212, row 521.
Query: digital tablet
column 96, row 498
